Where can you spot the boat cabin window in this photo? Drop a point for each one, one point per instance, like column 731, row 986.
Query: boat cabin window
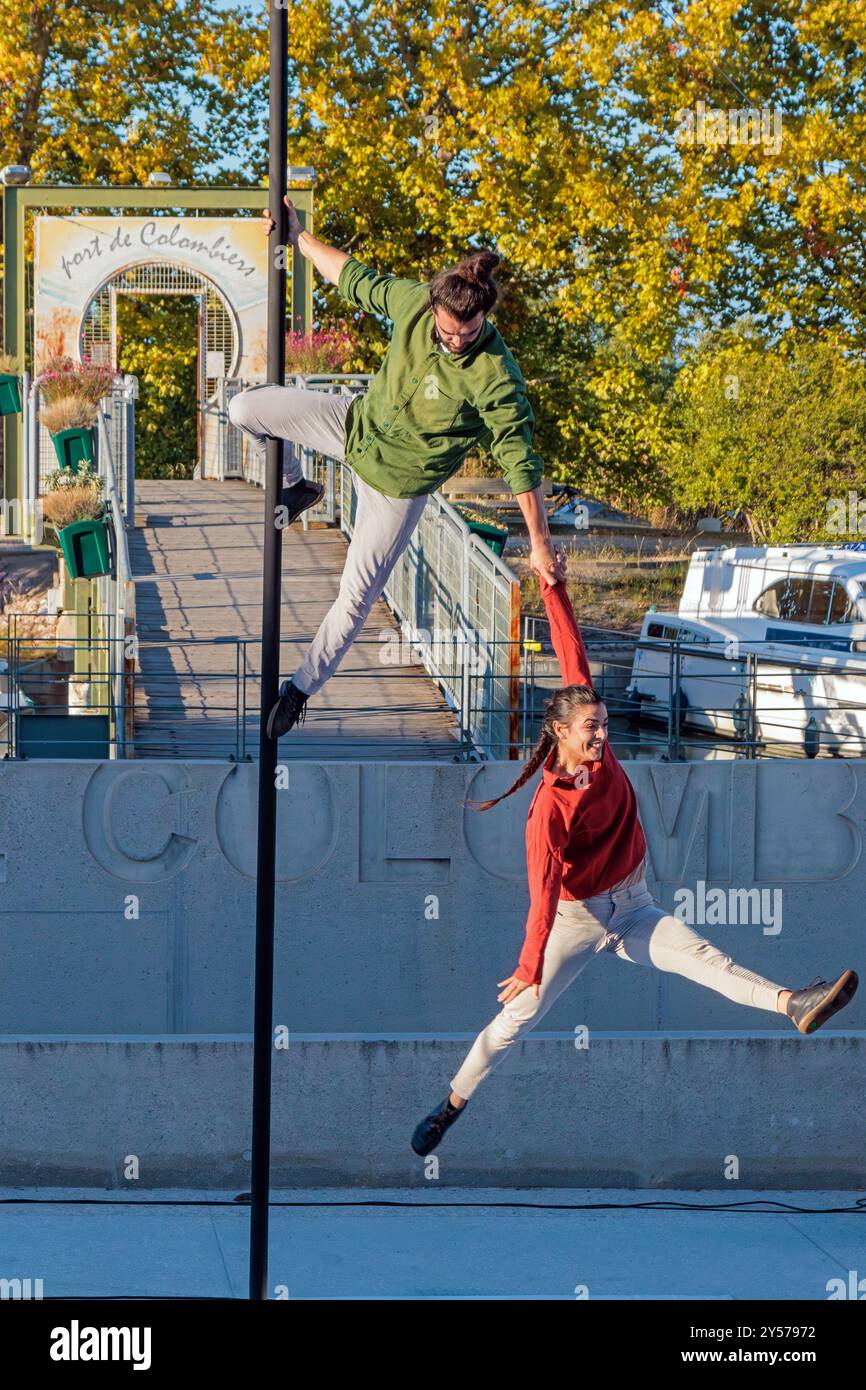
column 670, row 634
column 842, row 608
column 804, row 600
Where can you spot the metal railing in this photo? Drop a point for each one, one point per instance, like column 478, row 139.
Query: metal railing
column 459, row 607
column 97, row 676
column 199, row 698
column 116, row 591
column 61, row 700
column 822, row 706
column 230, row 462
column 778, row 705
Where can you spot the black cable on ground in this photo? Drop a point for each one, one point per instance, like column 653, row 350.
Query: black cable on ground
column 755, row 1206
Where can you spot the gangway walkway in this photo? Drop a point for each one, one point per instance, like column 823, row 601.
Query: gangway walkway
column 196, row 558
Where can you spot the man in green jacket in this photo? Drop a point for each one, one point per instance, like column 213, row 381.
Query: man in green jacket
column 446, row 384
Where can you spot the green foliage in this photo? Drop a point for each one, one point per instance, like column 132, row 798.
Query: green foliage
column 771, row 433
column 158, row 343
column 85, row 475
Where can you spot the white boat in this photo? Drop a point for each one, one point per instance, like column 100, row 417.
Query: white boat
column 768, row 646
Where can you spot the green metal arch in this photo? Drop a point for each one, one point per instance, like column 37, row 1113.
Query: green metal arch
column 18, row 200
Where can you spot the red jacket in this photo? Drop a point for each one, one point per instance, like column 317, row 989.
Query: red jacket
column 580, row 839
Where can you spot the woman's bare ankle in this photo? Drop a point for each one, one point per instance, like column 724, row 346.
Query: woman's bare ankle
column 456, row 1100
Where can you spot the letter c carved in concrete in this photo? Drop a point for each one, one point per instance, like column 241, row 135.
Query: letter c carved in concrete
column 134, row 822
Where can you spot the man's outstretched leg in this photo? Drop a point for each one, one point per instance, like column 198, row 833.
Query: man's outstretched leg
column 316, row 419
column 383, row 529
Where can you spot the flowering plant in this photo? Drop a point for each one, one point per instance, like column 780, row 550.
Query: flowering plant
column 73, row 497
column 61, row 377
column 321, row 351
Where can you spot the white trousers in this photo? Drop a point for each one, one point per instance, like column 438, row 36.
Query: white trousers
column 626, row 921
column 382, row 525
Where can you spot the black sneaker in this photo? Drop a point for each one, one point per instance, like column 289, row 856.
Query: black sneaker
column 809, row 1008
column 290, row 709
column 301, row 495
column 434, row 1125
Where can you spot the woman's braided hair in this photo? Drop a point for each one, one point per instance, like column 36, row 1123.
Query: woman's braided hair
column 561, row 708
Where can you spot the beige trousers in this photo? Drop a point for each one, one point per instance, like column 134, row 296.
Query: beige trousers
column 626, row 921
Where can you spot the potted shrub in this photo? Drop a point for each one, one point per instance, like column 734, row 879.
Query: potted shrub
column 10, row 392
column 83, row 384
column 70, row 421
column 495, row 536
column 73, row 505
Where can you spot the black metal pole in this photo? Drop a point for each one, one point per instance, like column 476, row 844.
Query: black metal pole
column 271, row 572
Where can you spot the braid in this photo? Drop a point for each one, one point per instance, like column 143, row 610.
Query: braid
column 546, row 740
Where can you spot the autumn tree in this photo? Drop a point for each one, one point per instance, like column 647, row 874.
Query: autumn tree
column 649, row 171
column 105, row 91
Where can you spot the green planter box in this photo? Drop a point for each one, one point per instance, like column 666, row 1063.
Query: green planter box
column 10, row 395
column 494, row 536
column 85, row 549
column 41, row 734
column 73, row 447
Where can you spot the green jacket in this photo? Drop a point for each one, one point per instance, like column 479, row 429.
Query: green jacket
column 426, row 408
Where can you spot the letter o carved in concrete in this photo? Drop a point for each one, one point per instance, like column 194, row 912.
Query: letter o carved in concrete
column 308, row 819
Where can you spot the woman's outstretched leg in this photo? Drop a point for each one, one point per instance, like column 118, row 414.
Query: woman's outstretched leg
column 651, row 936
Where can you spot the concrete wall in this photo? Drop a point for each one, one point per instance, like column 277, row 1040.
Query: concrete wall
column 396, row 909
column 126, row 947
column 632, row 1110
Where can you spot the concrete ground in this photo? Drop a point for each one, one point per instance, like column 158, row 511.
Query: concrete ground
column 439, row 1244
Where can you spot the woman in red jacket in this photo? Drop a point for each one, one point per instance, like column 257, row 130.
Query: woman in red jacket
column 586, row 862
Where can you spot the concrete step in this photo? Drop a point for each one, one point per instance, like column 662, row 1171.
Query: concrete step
column 656, row 1110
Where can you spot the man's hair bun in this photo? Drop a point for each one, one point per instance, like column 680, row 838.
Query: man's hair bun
column 479, row 267
column 466, row 289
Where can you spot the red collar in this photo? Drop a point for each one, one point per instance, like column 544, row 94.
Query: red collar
column 558, row 779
